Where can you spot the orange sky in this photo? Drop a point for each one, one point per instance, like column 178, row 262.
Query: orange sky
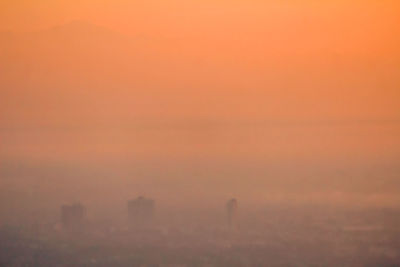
column 264, row 81
column 328, row 60
column 158, row 15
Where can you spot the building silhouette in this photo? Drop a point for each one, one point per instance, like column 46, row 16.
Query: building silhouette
column 141, row 210
column 231, row 209
column 73, row 216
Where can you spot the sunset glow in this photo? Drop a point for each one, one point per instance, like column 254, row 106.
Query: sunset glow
column 284, row 102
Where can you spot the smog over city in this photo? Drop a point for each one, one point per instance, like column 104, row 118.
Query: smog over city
column 199, row 133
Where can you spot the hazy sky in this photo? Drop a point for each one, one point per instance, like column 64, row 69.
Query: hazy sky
column 241, row 84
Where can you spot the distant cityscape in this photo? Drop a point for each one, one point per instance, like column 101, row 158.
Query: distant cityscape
column 150, row 236
column 140, row 213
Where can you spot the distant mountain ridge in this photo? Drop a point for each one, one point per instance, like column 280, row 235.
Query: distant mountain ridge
column 81, row 28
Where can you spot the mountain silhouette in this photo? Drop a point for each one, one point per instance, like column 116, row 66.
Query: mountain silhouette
column 65, row 70
column 80, row 27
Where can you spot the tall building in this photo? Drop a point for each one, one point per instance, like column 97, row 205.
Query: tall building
column 141, row 210
column 231, row 209
column 73, row 216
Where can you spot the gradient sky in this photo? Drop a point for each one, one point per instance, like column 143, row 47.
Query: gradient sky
column 245, row 84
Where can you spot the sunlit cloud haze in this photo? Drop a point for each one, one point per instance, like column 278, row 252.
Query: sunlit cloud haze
column 200, row 100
